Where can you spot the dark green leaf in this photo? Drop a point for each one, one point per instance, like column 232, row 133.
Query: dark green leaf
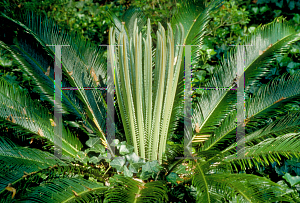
column 211, row 52
column 173, row 177
column 125, row 149
column 296, row 18
column 127, row 173
column 264, row 9
column 293, row 65
column 132, row 158
column 98, row 148
column 93, row 141
column 255, row 10
column 118, row 163
column 115, row 142
column 94, row 160
column 292, row 5
column 293, row 180
column 279, row 3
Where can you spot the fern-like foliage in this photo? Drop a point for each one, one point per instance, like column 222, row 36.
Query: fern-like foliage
column 32, row 175
column 82, row 64
column 19, row 111
column 128, row 190
column 215, row 115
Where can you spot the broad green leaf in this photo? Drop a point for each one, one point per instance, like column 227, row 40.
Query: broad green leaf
column 205, row 47
column 152, row 166
column 296, row 18
column 133, row 168
column 292, row 5
column 173, row 177
column 200, row 78
column 293, row 180
column 133, row 158
column 94, row 160
column 293, row 65
column 125, row 149
column 118, row 164
column 279, row 3
column 251, row 29
column 145, row 175
column 150, row 169
column 82, row 159
column 211, row 52
column 98, row 148
column 127, row 173
column 264, row 9
column 115, row 142
column 5, row 62
column 295, row 50
column 79, row 4
column 93, row 141
column 255, row 10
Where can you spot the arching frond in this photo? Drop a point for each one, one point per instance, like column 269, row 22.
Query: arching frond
column 132, row 191
column 65, row 190
column 15, row 161
column 212, row 102
column 269, row 150
column 203, row 188
column 81, row 63
column 17, row 109
column 287, row 124
column 268, row 100
column 194, row 18
column 38, row 67
column 250, row 187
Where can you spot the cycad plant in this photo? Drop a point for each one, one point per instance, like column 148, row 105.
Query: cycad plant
column 147, row 116
column 149, row 90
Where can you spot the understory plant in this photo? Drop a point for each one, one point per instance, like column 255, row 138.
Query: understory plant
column 149, row 83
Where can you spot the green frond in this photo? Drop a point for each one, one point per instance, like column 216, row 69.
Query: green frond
column 266, row 102
column 215, row 102
column 132, row 191
column 65, row 190
column 222, row 133
column 30, row 116
column 269, row 99
column 129, row 18
column 35, row 65
column 32, row 178
column 14, row 160
column 287, row 124
column 268, row 150
column 194, row 18
column 250, row 187
column 79, row 54
column 200, row 182
column 273, row 39
column 170, row 162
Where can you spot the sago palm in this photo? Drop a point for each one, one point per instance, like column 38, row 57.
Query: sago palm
column 149, row 90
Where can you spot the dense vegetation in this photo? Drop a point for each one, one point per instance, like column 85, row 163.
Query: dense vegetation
column 24, row 146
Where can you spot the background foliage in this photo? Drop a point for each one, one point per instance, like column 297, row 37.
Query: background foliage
column 230, row 25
